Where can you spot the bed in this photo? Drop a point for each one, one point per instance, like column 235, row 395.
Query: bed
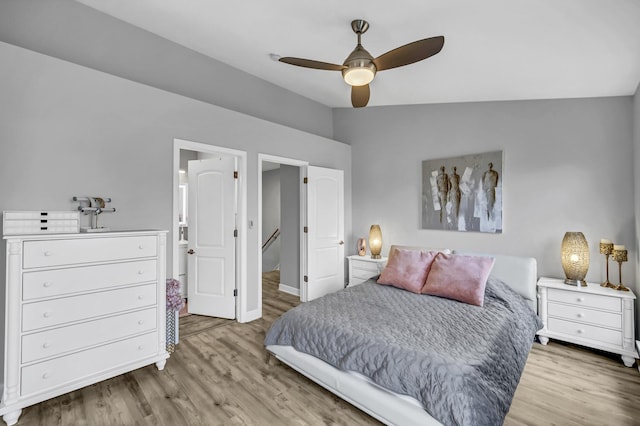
column 409, row 359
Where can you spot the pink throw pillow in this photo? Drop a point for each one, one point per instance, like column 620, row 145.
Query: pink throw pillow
column 407, row 269
column 458, row 277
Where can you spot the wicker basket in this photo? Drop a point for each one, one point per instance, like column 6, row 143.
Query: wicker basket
column 172, row 330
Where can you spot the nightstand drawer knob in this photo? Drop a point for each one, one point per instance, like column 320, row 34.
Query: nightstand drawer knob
column 580, row 331
column 580, row 299
column 580, row 315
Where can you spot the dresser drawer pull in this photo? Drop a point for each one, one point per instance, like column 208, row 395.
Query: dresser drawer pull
column 140, row 322
column 47, row 315
column 140, row 297
column 140, row 272
column 140, row 347
column 580, row 331
column 580, row 299
column 46, row 345
column 46, row 284
column 45, row 376
column 48, row 253
column 580, row 315
column 141, row 247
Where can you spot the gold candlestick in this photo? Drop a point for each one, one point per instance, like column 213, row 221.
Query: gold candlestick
column 606, row 248
column 620, row 255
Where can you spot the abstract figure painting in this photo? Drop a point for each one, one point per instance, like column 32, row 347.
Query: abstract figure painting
column 463, row 193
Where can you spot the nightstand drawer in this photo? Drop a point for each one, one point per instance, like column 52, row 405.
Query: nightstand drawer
column 583, row 315
column 584, row 331
column 363, row 267
column 575, row 297
column 355, row 281
column 362, row 275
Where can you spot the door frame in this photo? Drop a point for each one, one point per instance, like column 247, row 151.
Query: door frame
column 289, row 162
column 242, row 314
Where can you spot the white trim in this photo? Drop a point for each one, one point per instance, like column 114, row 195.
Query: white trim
column 289, row 290
column 279, row 160
column 242, row 314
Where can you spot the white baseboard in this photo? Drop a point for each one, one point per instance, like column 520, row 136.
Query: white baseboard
column 288, row 289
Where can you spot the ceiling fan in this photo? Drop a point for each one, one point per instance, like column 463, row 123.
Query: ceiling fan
column 359, row 69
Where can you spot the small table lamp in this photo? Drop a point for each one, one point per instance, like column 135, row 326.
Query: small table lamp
column 375, row 241
column 575, row 258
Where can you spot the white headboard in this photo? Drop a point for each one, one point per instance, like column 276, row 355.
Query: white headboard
column 519, row 273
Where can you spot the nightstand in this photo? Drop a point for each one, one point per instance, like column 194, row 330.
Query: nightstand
column 361, row 268
column 592, row 316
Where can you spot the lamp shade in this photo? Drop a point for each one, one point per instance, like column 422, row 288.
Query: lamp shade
column 575, row 258
column 375, row 241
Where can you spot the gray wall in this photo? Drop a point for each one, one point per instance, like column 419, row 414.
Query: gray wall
column 77, row 33
column 68, row 130
column 568, row 166
column 290, row 225
column 270, row 217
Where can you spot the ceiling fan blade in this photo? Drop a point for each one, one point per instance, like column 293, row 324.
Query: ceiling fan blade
column 360, row 96
column 409, row 53
column 308, row 63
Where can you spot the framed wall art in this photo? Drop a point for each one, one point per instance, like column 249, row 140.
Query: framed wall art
column 463, row 193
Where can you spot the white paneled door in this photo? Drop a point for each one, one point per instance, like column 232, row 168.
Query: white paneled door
column 212, row 242
column 324, row 239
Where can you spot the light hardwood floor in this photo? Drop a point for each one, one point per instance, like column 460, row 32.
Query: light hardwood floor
column 218, row 376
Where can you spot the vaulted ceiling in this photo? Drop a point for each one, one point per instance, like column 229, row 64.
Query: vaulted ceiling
column 494, row 49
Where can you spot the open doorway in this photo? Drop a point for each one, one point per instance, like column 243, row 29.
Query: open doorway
column 280, row 211
column 281, row 225
column 196, row 255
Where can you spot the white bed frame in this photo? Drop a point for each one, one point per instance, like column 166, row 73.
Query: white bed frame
column 389, row 407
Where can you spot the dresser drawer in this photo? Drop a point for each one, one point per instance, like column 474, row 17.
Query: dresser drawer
column 65, row 339
column 584, row 315
column 584, row 331
column 64, row 370
column 585, row 299
column 83, row 250
column 59, row 311
column 40, row 284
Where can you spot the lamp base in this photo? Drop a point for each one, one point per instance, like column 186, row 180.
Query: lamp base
column 621, row 287
column 578, row 283
column 376, row 256
column 608, row 284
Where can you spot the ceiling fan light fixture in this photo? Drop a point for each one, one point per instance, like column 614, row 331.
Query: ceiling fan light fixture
column 359, row 76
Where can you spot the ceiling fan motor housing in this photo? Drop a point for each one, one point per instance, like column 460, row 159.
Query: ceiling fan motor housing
column 360, row 68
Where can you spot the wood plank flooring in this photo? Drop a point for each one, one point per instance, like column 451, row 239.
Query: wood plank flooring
column 218, row 376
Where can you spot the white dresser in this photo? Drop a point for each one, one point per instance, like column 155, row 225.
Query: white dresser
column 592, row 316
column 361, row 268
column 80, row 308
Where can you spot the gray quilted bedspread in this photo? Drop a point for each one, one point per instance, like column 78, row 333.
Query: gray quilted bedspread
column 462, row 362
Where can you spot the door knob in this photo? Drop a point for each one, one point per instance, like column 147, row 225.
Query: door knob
column 341, row 242
column 190, row 251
